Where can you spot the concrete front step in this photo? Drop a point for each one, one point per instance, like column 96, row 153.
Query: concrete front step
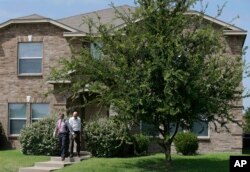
column 54, row 164
column 74, row 159
column 84, row 153
column 38, row 169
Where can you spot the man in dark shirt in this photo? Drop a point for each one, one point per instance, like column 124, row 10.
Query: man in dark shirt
column 62, row 131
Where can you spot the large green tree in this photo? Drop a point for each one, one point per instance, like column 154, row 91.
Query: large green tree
column 163, row 66
column 246, row 117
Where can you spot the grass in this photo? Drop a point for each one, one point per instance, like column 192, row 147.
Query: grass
column 218, row 162
column 12, row 160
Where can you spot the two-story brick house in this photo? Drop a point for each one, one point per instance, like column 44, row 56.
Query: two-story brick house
column 30, row 46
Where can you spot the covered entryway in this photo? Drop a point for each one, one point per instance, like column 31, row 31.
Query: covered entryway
column 87, row 112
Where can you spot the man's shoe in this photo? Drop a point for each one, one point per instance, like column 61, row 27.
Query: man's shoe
column 66, row 155
column 63, row 158
column 71, row 156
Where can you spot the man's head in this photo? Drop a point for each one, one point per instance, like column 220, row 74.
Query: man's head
column 61, row 115
column 75, row 114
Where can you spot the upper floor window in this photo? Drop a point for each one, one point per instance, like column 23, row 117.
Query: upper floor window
column 30, row 58
column 95, row 50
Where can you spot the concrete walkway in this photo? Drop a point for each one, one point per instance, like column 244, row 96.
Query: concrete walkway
column 55, row 163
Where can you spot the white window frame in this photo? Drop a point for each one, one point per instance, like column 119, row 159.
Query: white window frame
column 29, row 58
column 25, row 119
column 208, row 133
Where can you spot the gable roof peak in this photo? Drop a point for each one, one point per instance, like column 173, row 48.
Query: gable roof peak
column 215, row 20
column 35, row 18
column 32, row 16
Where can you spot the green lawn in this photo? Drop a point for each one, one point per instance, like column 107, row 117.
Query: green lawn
column 11, row 160
column 155, row 163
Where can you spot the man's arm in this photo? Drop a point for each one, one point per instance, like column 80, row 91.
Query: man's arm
column 69, row 124
column 55, row 132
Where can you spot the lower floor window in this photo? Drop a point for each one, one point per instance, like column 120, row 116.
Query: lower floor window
column 148, row 129
column 200, row 128
column 39, row 111
column 19, row 113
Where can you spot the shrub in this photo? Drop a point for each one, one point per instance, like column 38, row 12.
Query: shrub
column 37, row 139
column 106, row 137
column 141, row 143
column 4, row 144
column 186, row 143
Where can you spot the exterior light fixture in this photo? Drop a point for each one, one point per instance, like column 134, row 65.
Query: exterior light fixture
column 29, row 38
column 28, row 99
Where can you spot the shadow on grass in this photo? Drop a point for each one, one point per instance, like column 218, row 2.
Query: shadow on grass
column 183, row 164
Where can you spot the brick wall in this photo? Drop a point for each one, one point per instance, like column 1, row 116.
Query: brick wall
column 221, row 140
column 14, row 88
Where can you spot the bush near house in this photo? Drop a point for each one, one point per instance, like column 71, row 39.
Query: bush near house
column 110, row 137
column 141, row 143
column 4, row 144
column 106, row 137
column 37, row 139
column 186, row 143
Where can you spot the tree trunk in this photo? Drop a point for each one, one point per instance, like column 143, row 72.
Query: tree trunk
column 167, row 149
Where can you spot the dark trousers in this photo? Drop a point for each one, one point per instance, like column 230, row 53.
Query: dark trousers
column 64, row 144
column 76, row 139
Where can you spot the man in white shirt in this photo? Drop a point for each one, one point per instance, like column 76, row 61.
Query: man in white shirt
column 75, row 124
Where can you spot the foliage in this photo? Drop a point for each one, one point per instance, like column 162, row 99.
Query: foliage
column 186, row 143
column 165, row 67
column 4, row 143
column 106, row 137
column 141, row 143
column 246, row 127
column 37, row 139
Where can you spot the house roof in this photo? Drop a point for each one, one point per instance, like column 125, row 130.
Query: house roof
column 74, row 25
column 227, row 26
column 107, row 16
column 32, row 16
column 35, row 18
